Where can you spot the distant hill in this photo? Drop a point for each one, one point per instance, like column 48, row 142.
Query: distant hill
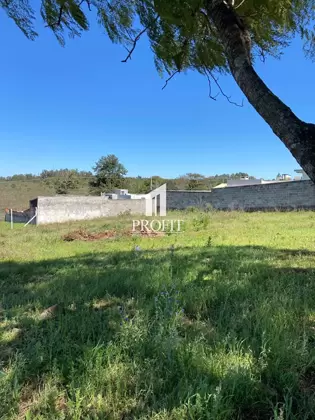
column 17, row 194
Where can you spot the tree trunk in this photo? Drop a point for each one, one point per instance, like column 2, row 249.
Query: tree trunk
column 297, row 136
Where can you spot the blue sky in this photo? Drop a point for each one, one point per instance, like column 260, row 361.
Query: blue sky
column 66, row 107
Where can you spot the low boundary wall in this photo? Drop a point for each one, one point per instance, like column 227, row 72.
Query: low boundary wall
column 279, row 195
column 69, row 208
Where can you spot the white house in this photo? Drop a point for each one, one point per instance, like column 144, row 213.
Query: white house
column 122, row 194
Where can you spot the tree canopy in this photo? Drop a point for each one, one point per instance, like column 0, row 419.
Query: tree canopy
column 109, row 174
column 209, row 36
column 180, row 32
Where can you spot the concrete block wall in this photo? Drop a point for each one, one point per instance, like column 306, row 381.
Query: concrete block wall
column 280, row 195
column 181, row 199
column 68, row 208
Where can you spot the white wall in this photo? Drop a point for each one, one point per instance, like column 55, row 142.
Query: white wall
column 66, row 208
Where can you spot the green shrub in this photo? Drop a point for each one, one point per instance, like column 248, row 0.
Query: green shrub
column 201, row 222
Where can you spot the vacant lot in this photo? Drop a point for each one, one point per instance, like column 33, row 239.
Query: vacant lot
column 217, row 322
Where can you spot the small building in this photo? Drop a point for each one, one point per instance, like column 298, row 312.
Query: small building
column 284, row 177
column 123, row 194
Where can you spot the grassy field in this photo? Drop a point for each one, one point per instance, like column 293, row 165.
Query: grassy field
column 223, row 327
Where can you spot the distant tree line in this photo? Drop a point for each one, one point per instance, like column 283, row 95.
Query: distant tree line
column 109, row 173
column 53, row 173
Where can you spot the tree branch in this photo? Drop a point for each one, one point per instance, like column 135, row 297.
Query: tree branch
column 61, row 10
column 261, row 54
column 134, row 45
column 214, row 98
column 228, row 98
column 135, row 41
column 170, row 78
column 58, row 22
column 88, row 4
column 60, row 14
column 208, row 22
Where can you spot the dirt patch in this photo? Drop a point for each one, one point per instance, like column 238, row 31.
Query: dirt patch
column 83, row 235
column 149, row 233
column 103, row 304
column 51, row 312
column 33, row 396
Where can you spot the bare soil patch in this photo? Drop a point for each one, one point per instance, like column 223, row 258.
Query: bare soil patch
column 83, row 235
